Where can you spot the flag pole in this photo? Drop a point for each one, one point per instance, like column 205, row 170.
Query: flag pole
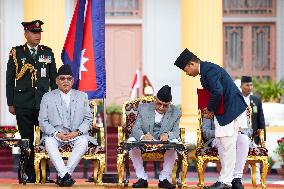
column 105, row 129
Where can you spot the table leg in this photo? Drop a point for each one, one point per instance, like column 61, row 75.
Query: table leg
column 22, row 175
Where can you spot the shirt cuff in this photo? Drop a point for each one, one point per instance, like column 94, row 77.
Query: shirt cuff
column 142, row 137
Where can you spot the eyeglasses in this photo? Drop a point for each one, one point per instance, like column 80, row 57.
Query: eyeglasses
column 159, row 104
column 62, row 78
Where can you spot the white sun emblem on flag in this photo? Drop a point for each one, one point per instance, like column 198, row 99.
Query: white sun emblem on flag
column 83, row 61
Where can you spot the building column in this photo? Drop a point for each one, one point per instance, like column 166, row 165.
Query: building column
column 202, row 26
column 52, row 13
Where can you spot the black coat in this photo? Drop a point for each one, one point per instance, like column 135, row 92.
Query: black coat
column 25, row 90
column 257, row 116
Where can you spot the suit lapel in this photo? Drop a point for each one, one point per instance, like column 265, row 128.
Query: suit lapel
column 165, row 120
column 151, row 118
column 58, row 102
column 73, row 102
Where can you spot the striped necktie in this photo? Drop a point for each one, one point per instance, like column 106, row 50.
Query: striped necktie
column 33, row 53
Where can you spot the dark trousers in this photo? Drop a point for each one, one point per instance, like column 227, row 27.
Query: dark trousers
column 26, row 120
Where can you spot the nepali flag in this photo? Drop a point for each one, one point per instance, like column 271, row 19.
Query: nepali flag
column 84, row 48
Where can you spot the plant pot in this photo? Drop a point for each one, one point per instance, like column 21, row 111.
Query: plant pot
column 8, row 135
column 115, row 119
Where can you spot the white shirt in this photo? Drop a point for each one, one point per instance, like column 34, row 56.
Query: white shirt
column 247, row 99
column 31, row 48
column 66, row 97
column 158, row 117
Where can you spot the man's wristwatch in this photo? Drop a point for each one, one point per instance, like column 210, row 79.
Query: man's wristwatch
column 79, row 132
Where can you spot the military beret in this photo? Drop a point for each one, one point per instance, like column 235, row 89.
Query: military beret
column 33, row 26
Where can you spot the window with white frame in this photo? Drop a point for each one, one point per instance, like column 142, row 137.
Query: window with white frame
column 123, row 8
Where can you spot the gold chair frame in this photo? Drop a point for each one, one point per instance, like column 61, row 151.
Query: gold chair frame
column 252, row 160
column 149, row 156
column 99, row 159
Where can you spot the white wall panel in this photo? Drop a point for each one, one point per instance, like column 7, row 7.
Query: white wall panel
column 162, row 44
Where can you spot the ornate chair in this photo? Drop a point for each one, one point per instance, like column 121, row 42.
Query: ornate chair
column 96, row 153
column 210, row 154
column 129, row 117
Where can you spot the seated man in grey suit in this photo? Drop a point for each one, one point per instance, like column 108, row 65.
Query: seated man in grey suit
column 65, row 117
column 156, row 121
column 242, row 147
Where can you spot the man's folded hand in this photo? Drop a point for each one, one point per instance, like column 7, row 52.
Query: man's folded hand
column 164, row 137
column 148, row 136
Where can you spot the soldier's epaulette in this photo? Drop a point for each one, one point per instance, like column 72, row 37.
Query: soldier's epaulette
column 17, row 48
column 44, row 47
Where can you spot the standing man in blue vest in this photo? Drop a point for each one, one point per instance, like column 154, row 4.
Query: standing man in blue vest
column 227, row 126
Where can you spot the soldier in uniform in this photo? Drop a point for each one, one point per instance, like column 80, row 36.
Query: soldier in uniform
column 31, row 72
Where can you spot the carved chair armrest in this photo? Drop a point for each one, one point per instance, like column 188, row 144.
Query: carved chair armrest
column 98, row 133
column 182, row 134
column 120, row 135
column 261, row 137
column 37, row 135
column 200, row 142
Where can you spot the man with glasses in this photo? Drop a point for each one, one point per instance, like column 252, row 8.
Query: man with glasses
column 65, row 118
column 31, row 72
column 156, row 121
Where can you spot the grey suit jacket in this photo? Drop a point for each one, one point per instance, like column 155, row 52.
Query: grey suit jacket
column 208, row 131
column 146, row 118
column 51, row 113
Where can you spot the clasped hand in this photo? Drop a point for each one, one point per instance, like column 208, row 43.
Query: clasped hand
column 65, row 136
column 207, row 114
column 163, row 137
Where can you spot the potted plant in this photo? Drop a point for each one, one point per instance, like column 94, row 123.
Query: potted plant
column 115, row 113
column 280, row 151
column 270, row 93
column 271, row 162
column 191, row 159
column 8, row 132
column 269, row 90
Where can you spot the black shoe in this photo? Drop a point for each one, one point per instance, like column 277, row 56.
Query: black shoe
column 48, row 180
column 31, row 179
column 166, row 184
column 237, row 183
column 141, row 183
column 67, row 180
column 218, row 185
column 59, row 181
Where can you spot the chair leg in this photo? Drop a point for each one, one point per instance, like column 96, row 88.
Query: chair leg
column 96, row 170
column 265, row 166
column 200, row 171
column 253, row 178
column 43, row 170
column 174, row 173
column 120, row 168
column 184, row 170
column 102, row 165
column 36, row 165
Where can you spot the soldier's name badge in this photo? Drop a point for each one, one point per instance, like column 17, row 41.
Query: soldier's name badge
column 43, row 72
column 254, row 109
